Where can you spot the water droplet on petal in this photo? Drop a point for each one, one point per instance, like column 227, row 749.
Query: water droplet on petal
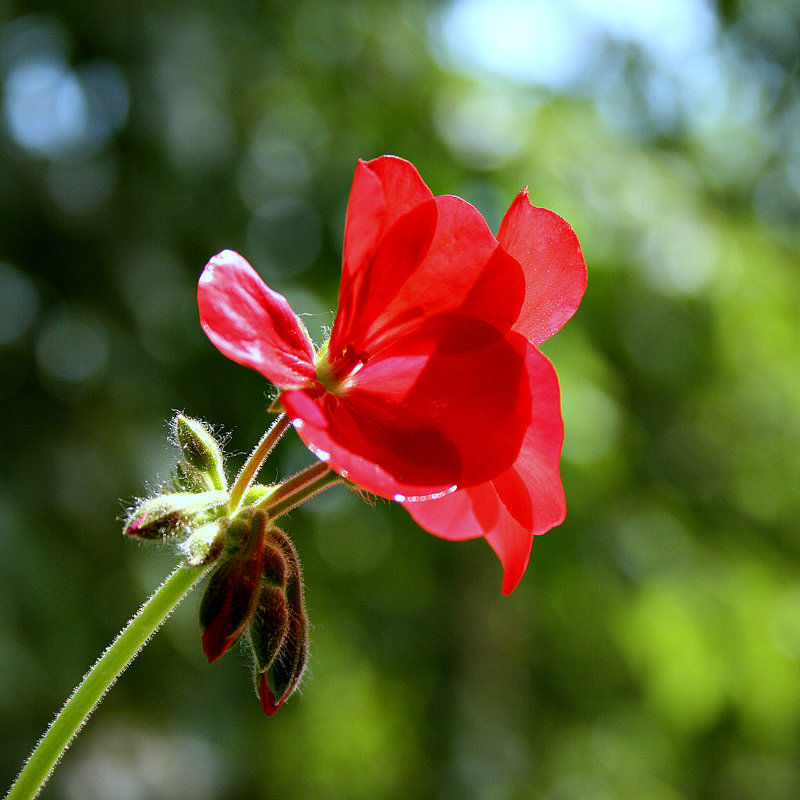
column 322, row 455
column 421, row 498
column 297, row 423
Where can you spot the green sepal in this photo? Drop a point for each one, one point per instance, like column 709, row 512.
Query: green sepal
column 186, row 478
column 200, row 449
column 205, row 544
column 256, row 493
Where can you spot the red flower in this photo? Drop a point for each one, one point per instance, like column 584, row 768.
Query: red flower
column 431, row 385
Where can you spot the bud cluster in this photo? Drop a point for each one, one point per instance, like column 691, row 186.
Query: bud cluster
column 198, row 500
column 255, row 586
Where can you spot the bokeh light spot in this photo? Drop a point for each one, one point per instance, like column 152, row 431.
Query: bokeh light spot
column 50, row 109
column 284, row 237
column 19, row 303
column 45, row 108
column 72, row 347
column 591, row 420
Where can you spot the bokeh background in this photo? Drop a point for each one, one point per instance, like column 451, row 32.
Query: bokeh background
column 653, row 648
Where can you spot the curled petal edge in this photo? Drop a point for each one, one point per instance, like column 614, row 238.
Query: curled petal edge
column 546, row 247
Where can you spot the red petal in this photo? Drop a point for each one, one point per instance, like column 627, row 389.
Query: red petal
column 464, row 270
column 445, row 406
column 268, row 702
column 555, row 271
column 401, row 182
column 383, row 190
column 525, row 500
column 435, row 258
column 364, row 223
column 251, row 324
column 399, row 254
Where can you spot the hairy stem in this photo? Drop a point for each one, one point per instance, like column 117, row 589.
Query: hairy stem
column 296, row 490
column 102, row 676
column 257, row 458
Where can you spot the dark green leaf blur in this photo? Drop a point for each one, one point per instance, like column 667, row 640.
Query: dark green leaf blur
column 652, row 651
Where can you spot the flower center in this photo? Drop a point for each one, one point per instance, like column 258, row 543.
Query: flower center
column 334, row 370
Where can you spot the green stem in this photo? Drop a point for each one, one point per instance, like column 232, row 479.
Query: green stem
column 100, row 679
column 299, row 488
column 257, row 458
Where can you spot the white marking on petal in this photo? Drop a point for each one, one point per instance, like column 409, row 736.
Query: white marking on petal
column 322, row 455
column 421, row 498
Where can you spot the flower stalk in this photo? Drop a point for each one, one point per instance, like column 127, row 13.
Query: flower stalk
column 102, row 676
column 257, row 458
column 301, row 487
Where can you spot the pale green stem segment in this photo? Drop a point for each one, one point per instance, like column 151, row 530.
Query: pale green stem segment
column 257, row 458
column 296, row 490
column 100, row 679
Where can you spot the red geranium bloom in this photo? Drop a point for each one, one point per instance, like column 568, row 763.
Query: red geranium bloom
column 430, row 387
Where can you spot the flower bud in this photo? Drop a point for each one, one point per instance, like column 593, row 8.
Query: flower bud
column 278, row 631
column 256, row 493
column 283, row 675
column 169, row 514
column 271, row 618
column 185, row 478
column 268, row 626
column 200, row 449
column 276, row 570
column 232, row 594
column 293, row 577
column 205, row 544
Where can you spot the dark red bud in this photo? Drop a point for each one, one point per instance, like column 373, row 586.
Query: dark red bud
column 277, row 683
column 233, row 591
column 276, row 570
column 294, row 574
column 268, row 626
column 278, row 631
column 268, row 702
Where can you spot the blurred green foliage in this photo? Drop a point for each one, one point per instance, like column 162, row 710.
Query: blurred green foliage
column 653, row 648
